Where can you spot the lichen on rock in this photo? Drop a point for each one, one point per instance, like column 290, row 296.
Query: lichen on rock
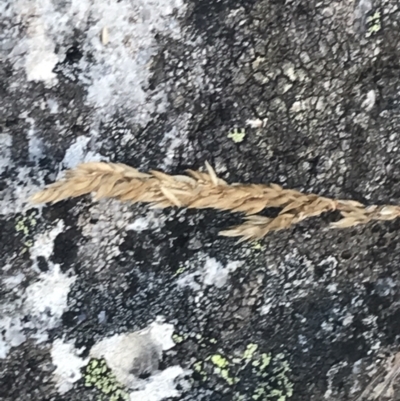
column 306, row 314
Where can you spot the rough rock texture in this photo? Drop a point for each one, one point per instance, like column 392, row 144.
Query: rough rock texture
column 306, row 314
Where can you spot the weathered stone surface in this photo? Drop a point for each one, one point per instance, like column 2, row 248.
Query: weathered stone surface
column 308, row 313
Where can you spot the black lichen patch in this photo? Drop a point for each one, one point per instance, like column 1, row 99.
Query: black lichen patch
column 26, row 374
column 66, row 246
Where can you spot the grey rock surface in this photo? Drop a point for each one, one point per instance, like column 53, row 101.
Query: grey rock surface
column 306, row 314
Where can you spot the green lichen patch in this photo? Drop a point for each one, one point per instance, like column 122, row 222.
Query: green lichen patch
column 180, row 270
column 252, row 373
column 258, row 246
column 250, row 350
column 25, row 225
column 237, row 135
column 374, row 24
column 97, row 374
column 274, row 382
column 177, row 338
column 219, row 361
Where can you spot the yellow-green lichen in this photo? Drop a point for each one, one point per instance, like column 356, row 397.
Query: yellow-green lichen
column 257, row 246
column 180, row 270
column 219, row 361
column 258, row 393
column 198, row 367
column 277, row 385
column 374, row 24
column 202, row 341
column 250, row 350
column 265, row 360
column 98, row 375
column 222, row 368
column 177, row 338
column 237, row 135
column 26, row 225
column 255, row 374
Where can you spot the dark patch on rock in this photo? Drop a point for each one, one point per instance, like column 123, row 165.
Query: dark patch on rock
column 26, row 375
column 66, row 247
